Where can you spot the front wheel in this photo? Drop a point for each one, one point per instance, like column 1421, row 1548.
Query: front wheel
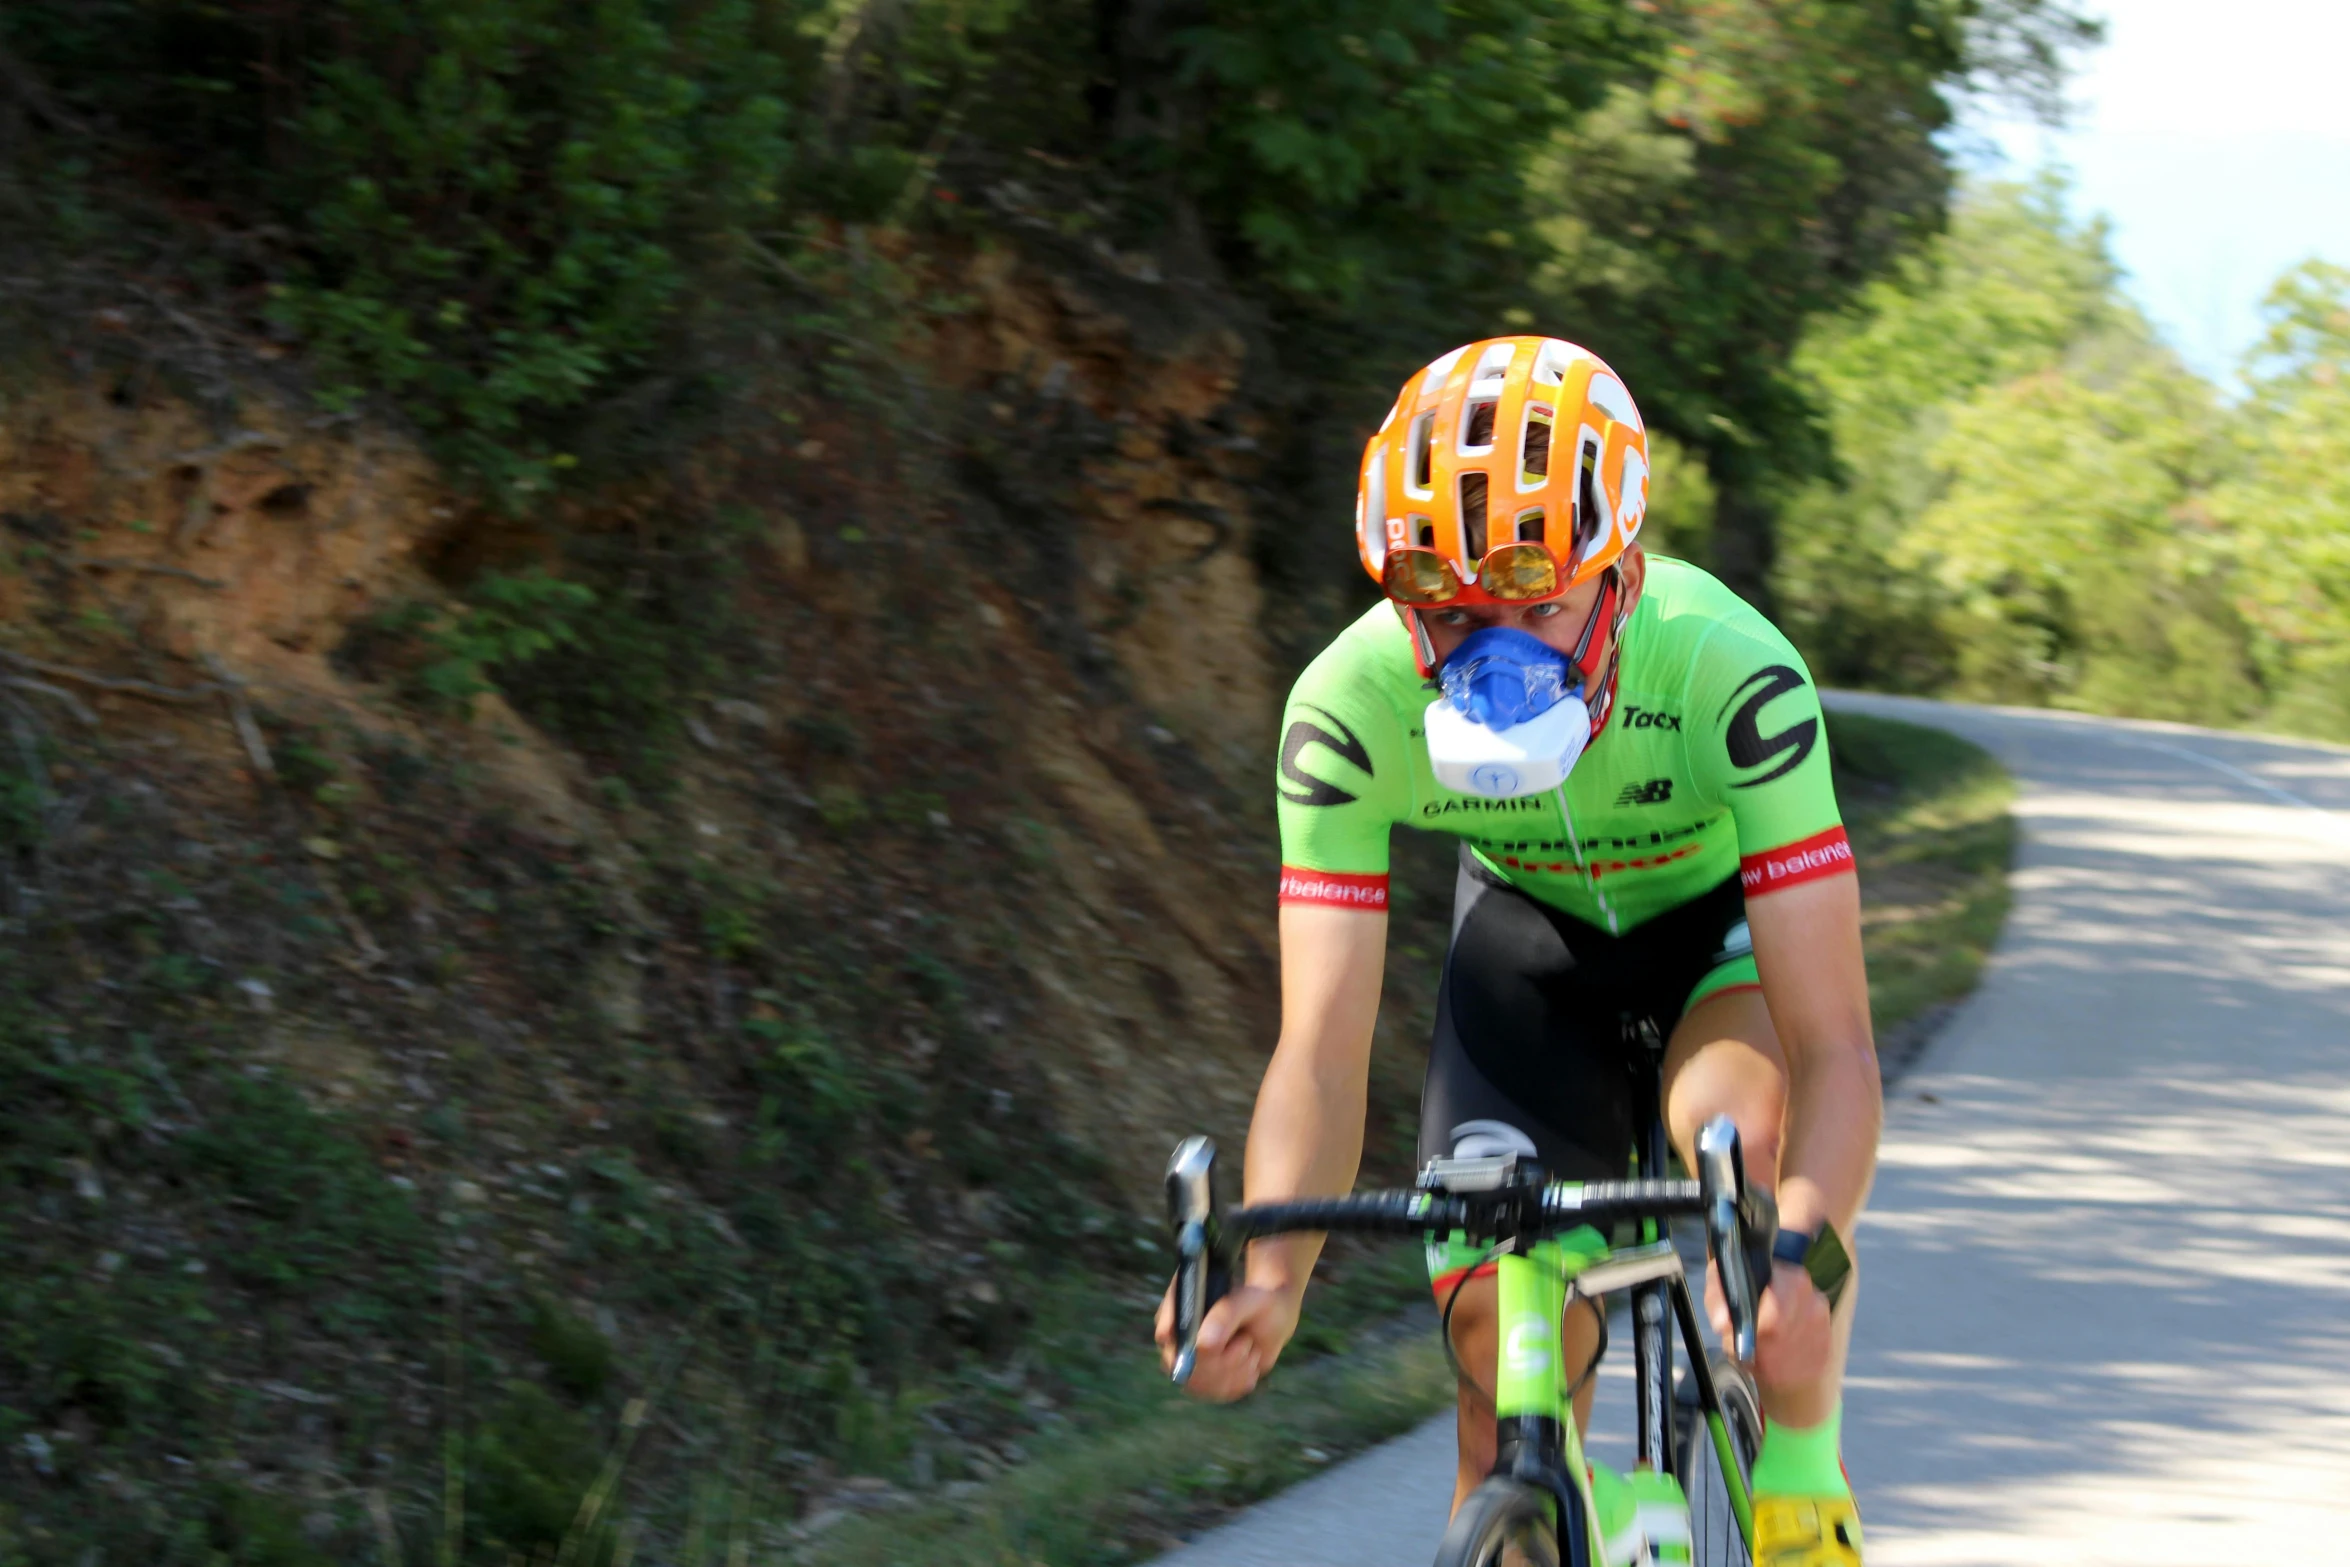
column 1504, row 1523
column 1715, row 1540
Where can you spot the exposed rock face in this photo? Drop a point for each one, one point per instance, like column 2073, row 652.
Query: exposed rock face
column 1083, row 510
column 259, row 544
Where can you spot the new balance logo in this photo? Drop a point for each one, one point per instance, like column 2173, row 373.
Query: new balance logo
column 1656, row 791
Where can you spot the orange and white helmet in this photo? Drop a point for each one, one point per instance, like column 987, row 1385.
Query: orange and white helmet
column 1509, row 471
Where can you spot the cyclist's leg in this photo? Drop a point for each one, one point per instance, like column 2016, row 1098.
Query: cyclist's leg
column 1463, row 1114
column 1725, row 1058
column 1525, row 1058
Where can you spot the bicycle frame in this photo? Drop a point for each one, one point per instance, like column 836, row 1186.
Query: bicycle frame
column 1552, row 1248
column 1536, row 1439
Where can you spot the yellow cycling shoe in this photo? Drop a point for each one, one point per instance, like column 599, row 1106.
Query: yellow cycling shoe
column 1806, row 1531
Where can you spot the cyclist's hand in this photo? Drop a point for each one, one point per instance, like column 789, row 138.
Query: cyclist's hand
column 1793, row 1340
column 1238, row 1343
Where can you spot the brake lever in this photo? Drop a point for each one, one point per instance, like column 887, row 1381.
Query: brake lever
column 1740, row 1226
column 1201, row 1277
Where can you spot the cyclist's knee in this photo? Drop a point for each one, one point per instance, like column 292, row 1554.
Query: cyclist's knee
column 1760, row 1123
column 1758, row 1142
column 1748, row 1093
column 1470, row 1310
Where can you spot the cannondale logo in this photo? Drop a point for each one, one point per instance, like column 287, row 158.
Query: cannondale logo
column 1749, row 746
column 1528, row 1349
column 1300, row 787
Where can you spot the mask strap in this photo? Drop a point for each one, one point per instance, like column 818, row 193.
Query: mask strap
column 1610, row 590
column 1602, row 692
column 1610, row 603
column 1423, row 645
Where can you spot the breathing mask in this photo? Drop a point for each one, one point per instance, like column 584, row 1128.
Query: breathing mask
column 1511, row 721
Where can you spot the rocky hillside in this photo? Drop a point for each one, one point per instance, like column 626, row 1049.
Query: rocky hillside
column 692, row 965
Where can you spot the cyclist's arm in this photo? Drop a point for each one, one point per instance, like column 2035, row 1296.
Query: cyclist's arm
column 1306, row 1138
column 1758, row 744
column 1341, row 783
column 1807, row 951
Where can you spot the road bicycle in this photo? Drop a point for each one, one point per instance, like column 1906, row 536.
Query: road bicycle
column 1554, row 1246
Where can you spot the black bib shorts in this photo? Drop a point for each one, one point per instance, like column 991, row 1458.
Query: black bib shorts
column 1550, row 1032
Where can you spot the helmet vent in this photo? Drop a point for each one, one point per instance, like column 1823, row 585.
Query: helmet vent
column 1473, row 486
column 1477, row 426
column 1427, row 533
column 1530, row 526
column 1534, row 456
column 1416, row 457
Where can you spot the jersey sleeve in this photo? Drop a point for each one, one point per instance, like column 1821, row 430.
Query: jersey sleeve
column 1343, row 780
column 1759, row 747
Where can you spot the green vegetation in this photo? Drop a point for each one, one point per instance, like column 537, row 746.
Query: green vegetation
column 191, row 1256
column 345, row 1188
column 444, row 657
column 552, row 235
column 1928, row 816
column 1102, row 1495
column 2041, row 504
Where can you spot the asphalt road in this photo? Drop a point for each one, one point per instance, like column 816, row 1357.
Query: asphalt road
column 2106, row 1308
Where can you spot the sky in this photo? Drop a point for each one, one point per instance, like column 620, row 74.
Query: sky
column 2215, row 135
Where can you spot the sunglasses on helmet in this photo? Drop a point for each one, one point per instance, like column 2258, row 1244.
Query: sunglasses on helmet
column 1512, row 573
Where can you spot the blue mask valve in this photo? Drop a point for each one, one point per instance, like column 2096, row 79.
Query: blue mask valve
column 1500, row 677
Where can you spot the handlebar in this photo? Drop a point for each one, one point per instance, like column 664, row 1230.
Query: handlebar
column 1486, row 1200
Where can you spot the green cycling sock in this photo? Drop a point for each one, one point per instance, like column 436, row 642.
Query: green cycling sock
column 1802, row 1461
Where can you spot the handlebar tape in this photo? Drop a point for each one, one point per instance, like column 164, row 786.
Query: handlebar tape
column 1363, row 1213
column 1608, row 1202
column 1597, row 1203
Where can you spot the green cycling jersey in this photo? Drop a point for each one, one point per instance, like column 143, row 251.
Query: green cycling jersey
column 1712, row 763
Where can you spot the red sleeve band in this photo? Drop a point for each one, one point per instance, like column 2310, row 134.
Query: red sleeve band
column 1340, row 889
column 1822, row 854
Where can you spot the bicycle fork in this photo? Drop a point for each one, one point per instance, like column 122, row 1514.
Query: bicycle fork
column 1605, row 1520
column 1535, row 1440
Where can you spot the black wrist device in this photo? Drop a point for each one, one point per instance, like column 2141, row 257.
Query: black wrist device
column 1822, row 1256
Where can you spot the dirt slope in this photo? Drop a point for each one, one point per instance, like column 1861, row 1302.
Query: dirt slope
column 737, row 998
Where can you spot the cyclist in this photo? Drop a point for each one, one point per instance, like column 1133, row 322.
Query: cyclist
column 1654, row 880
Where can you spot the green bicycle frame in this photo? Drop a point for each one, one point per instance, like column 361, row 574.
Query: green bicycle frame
column 1531, row 1378
column 1534, row 1417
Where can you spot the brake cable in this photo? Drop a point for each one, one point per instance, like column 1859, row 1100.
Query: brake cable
column 1452, row 1355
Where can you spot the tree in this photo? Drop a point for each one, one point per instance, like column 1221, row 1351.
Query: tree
column 2013, row 289
column 2291, row 510
column 1779, row 154
column 2076, row 538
